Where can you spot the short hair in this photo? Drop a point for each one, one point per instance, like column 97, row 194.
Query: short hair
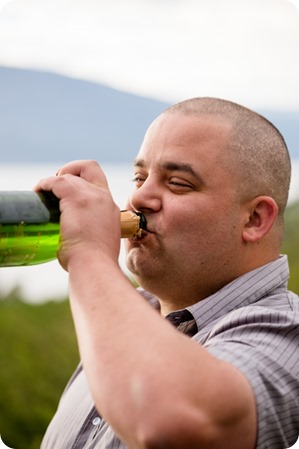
column 260, row 155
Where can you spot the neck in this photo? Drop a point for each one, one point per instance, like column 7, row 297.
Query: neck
column 171, row 304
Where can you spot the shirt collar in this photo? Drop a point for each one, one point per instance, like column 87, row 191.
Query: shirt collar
column 243, row 291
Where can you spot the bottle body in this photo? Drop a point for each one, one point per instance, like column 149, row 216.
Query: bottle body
column 30, row 230
column 28, row 244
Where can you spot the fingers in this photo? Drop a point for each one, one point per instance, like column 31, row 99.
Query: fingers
column 88, row 170
column 45, row 184
column 74, row 173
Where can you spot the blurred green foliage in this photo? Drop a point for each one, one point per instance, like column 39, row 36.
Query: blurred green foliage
column 291, row 244
column 38, row 353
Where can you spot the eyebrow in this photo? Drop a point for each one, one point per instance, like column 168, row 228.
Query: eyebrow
column 173, row 166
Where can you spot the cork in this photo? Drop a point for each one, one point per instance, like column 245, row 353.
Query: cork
column 130, row 224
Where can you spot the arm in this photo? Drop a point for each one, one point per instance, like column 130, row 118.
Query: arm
column 156, row 387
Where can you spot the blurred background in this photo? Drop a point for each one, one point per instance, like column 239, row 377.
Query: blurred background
column 83, row 79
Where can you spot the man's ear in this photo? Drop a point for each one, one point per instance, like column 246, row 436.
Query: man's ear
column 261, row 214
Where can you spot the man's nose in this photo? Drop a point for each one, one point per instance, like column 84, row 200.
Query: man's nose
column 147, row 196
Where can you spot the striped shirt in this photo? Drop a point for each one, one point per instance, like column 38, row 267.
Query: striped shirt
column 252, row 323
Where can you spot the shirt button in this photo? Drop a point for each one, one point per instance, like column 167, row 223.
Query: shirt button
column 96, row 421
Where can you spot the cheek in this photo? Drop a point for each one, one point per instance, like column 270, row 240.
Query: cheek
column 203, row 232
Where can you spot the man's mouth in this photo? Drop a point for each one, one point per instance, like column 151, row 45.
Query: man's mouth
column 140, row 235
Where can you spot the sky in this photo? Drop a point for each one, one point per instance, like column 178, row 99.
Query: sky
column 242, row 50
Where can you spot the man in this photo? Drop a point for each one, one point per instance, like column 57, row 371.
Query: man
column 203, row 355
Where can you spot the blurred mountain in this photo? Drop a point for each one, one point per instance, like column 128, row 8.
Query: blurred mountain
column 51, row 118
column 47, row 118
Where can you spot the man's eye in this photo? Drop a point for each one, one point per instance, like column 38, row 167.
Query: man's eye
column 175, row 183
column 180, row 183
column 138, row 179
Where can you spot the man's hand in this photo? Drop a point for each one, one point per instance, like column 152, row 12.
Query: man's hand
column 90, row 220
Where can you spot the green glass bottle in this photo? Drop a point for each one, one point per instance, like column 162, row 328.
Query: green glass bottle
column 29, row 227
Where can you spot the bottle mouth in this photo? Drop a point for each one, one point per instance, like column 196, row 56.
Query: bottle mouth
column 142, row 222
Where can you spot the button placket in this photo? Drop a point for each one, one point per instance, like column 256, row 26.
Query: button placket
column 96, row 422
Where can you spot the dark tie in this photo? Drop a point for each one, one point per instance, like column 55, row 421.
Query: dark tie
column 184, row 321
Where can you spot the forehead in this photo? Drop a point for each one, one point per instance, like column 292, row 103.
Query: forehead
column 194, row 139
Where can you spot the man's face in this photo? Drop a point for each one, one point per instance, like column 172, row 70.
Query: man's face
column 189, row 200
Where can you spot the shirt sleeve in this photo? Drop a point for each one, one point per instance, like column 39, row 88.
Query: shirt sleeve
column 264, row 345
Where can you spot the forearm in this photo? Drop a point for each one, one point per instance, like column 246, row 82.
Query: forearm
column 119, row 335
column 147, row 379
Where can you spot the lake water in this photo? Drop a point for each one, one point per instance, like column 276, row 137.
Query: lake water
column 41, row 282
